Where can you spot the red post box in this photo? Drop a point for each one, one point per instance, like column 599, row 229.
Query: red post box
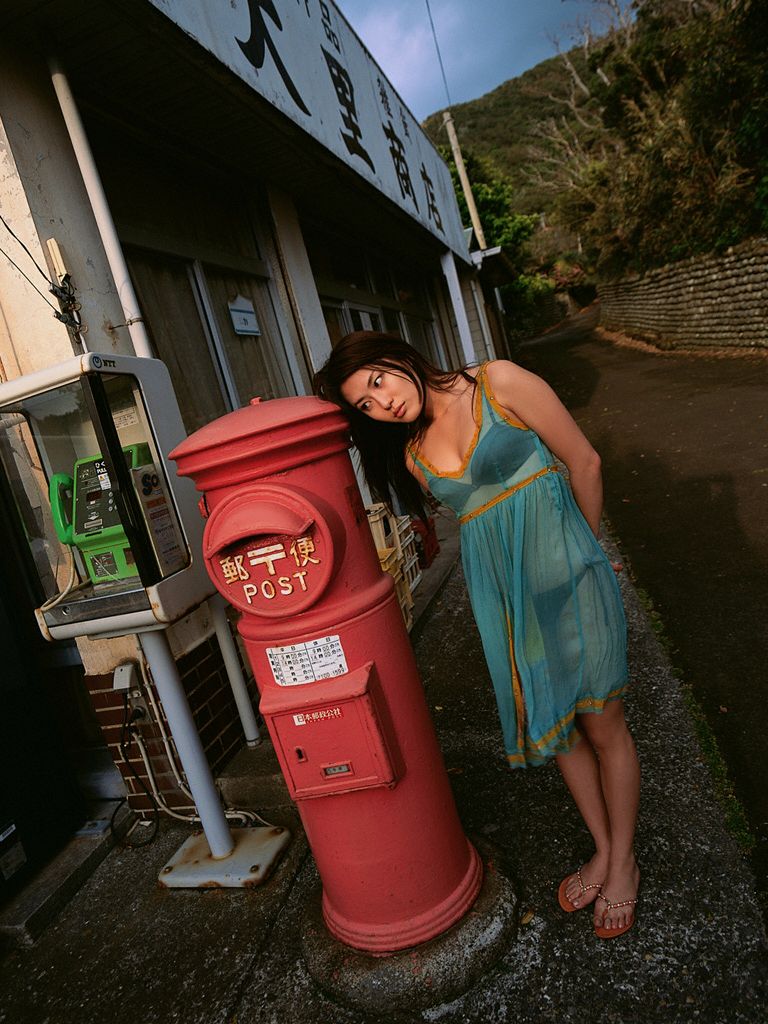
column 288, row 544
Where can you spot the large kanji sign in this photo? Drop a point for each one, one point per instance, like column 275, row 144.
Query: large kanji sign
column 303, row 57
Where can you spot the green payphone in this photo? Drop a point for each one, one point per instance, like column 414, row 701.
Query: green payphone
column 85, row 515
column 111, row 531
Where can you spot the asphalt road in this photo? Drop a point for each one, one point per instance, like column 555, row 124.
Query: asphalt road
column 684, row 444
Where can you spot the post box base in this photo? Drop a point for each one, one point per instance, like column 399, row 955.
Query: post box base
column 411, row 932
column 256, row 852
column 424, row 975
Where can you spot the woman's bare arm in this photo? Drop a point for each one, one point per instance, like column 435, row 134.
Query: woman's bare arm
column 532, row 401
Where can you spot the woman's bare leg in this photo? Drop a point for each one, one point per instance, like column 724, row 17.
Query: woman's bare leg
column 581, row 772
column 619, row 773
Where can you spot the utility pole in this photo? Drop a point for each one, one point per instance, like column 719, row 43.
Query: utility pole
column 458, row 159
column 466, row 188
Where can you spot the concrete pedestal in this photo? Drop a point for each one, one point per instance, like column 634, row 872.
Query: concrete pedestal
column 422, row 976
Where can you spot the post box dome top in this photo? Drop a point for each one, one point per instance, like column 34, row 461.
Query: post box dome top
column 261, row 438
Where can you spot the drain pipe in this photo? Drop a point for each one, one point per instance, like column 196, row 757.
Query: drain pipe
column 101, row 212
column 218, row 607
column 448, row 264
column 140, row 341
column 483, row 320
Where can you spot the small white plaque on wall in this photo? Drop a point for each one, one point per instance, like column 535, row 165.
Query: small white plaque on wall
column 243, row 316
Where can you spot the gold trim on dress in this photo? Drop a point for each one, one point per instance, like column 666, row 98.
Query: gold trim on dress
column 517, row 690
column 478, row 417
column 595, row 704
column 505, row 494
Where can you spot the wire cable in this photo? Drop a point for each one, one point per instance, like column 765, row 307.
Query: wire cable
column 68, row 315
column 439, row 57
column 56, row 312
column 156, row 716
column 13, row 234
column 125, row 729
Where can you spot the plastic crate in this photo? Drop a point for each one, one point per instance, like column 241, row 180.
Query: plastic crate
column 405, row 537
column 408, row 546
column 389, row 560
column 383, row 526
column 405, row 600
column 412, row 571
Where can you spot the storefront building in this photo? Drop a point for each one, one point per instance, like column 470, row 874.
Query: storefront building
column 270, row 192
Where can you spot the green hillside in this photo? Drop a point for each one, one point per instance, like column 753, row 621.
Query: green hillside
column 653, row 149
column 500, row 126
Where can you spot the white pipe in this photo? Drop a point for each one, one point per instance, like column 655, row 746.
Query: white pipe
column 101, row 212
column 457, row 301
column 193, row 760
column 218, row 607
column 133, row 319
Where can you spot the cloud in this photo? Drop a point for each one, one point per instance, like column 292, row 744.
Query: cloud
column 400, row 40
column 483, row 42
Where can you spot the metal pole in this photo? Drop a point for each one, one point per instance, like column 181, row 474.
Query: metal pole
column 448, row 264
column 218, row 607
column 191, row 754
column 466, row 188
column 483, row 319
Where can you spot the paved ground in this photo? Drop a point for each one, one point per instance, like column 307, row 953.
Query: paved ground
column 684, row 442
column 126, row 951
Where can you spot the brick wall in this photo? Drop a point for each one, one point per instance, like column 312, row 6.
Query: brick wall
column 213, row 707
column 715, row 301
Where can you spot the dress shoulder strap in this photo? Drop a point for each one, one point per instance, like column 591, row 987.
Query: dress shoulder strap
column 496, row 411
column 481, row 379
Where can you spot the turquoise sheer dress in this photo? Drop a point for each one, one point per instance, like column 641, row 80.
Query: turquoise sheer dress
column 543, row 593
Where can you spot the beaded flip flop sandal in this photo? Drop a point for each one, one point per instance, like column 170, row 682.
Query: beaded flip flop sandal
column 563, row 900
column 612, row 933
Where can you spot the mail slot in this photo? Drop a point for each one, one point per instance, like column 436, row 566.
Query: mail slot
column 333, row 737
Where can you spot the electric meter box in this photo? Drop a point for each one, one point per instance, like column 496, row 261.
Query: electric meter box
column 114, row 534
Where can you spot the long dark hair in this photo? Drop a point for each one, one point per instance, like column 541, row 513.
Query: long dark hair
column 382, row 445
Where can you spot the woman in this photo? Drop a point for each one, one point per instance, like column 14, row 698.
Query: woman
column 481, row 440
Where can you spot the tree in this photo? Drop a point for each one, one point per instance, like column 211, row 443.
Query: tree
column 661, row 150
column 493, row 196
column 502, row 226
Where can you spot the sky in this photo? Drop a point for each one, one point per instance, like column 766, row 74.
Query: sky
column 483, row 42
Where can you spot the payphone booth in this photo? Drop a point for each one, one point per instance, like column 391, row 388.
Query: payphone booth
column 113, row 533
column 82, row 445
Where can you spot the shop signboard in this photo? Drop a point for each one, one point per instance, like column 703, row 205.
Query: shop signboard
column 304, row 59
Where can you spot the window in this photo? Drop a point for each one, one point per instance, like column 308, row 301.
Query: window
column 179, row 335
column 214, row 367
column 335, row 322
column 252, row 360
column 363, row 319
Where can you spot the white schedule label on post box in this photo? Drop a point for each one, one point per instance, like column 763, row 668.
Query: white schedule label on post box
column 306, row 663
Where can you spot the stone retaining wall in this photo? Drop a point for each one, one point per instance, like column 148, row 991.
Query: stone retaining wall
column 715, row 301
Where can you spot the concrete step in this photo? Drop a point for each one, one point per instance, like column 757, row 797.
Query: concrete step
column 27, row 914
column 252, row 780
